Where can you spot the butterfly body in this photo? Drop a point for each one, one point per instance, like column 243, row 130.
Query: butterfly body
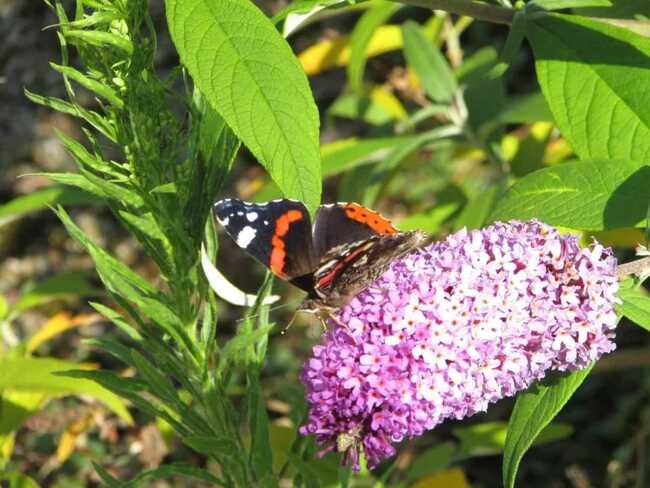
column 348, row 247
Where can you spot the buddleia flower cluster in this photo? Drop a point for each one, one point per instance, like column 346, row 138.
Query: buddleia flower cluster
column 453, row 327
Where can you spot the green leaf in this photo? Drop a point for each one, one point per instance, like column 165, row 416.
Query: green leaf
column 448, row 202
column 585, row 195
column 360, row 38
column 477, row 210
column 100, row 39
column 484, row 94
column 429, row 64
column 38, row 375
column 115, row 275
column 258, row 421
column 595, row 77
column 161, row 386
column 217, row 148
column 382, row 172
column 15, row 479
column 94, row 86
column 526, row 109
column 359, row 107
column 431, row 460
column 636, row 304
column 160, row 473
column 116, row 349
column 107, row 379
column 118, row 320
column 560, row 4
column 346, row 154
column 512, row 47
column 212, row 445
column 241, row 342
column 620, row 9
column 63, row 285
column 534, row 410
column 15, row 408
column 93, row 118
column 249, row 74
column 41, row 199
column 489, row 438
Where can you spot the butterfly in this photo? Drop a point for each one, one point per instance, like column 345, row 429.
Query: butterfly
column 347, row 248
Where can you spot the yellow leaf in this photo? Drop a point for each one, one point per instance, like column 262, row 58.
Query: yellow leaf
column 389, row 102
column 68, row 439
column 446, row 478
column 58, row 324
column 7, row 445
column 627, row 237
column 335, row 53
column 557, row 151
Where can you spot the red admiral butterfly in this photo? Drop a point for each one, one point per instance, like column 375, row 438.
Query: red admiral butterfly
column 348, row 248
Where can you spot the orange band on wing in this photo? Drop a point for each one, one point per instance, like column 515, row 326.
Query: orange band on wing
column 278, row 252
column 372, row 219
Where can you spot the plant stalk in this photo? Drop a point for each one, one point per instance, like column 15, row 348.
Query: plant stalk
column 470, row 8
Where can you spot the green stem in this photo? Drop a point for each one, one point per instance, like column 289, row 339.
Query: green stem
column 477, row 10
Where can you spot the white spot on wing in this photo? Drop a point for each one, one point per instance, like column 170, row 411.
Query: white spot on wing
column 251, row 216
column 266, row 222
column 245, row 236
column 240, row 213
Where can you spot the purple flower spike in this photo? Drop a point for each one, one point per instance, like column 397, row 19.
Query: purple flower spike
column 454, row 327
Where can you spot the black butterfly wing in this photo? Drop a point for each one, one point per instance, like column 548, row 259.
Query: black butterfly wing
column 277, row 233
column 343, row 223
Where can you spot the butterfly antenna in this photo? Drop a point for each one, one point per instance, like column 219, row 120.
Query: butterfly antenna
column 271, row 309
column 284, row 331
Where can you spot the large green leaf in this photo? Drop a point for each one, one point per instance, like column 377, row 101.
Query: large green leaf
column 38, row 375
column 586, row 195
column 595, row 78
column 249, row 74
column 534, row 410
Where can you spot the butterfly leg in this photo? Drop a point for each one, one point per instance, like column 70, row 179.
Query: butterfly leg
column 344, row 326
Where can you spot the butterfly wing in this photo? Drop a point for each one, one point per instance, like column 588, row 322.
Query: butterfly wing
column 277, row 234
column 343, row 223
column 349, row 268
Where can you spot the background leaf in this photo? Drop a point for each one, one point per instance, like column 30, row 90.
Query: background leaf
column 586, row 195
column 636, row 304
column 595, row 77
column 37, row 375
column 256, row 84
column 360, row 38
column 429, row 64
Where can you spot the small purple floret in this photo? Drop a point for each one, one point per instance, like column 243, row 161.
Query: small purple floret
column 454, row 327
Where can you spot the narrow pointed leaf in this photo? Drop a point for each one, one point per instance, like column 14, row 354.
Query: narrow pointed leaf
column 429, row 64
